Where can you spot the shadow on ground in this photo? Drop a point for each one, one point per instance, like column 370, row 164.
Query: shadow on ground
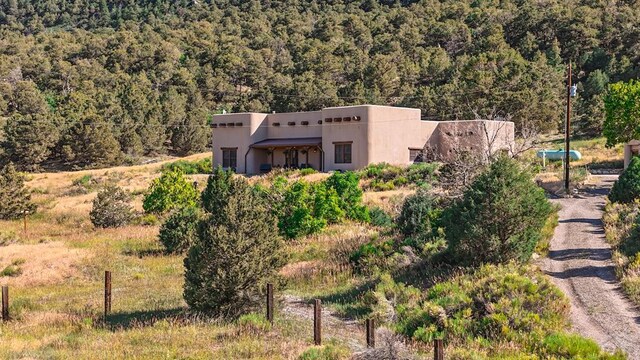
column 139, row 319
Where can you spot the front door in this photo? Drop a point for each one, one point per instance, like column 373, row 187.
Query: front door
column 292, row 159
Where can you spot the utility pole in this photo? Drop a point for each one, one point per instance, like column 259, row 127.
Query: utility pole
column 567, row 128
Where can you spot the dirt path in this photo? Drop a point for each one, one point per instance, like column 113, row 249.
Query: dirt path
column 348, row 332
column 580, row 264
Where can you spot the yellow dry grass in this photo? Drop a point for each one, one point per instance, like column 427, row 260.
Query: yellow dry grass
column 54, row 191
column 56, row 301
column 41, row 264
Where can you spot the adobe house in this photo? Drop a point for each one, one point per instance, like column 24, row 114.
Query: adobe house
column 631, row 149
column 346, row 138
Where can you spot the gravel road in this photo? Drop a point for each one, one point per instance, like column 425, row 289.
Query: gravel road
column 580, row 264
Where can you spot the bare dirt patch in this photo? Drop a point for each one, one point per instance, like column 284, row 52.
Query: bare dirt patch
column 40, row 264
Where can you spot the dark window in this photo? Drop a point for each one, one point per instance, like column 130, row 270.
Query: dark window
column 229, row 158
column 343, row 153
column 416, row 155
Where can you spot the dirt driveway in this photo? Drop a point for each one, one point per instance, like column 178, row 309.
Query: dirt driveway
column 580, row 264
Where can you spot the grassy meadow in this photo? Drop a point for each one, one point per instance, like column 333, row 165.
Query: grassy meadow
column 55, row 272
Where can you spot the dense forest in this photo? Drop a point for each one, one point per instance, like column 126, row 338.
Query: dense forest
column 96, row 83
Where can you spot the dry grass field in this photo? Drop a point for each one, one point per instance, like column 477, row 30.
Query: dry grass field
column 56, row 273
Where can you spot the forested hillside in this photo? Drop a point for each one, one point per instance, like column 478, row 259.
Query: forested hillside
column 95, row 83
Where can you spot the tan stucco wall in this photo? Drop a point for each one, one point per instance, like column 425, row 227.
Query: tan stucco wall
column 392, row 131
column 630, row 149
column 298, row 130
column 253, row 129
column 352, row 131
column 484, row 137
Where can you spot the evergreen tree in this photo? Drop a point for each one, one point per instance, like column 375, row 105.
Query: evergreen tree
column 627, row 188
column 237, row 251
column 15, row 198
column 29, row 140
column 500, row 217
column 219, row 187
column 111, row 208
column 91, row 144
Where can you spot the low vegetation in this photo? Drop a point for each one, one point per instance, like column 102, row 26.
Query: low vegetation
column 111, row 208
column 170, row 191
column 495, row 311
column 627, row 188
column 621, row 219
column 198, row 279
column 621, row 222
column 384, row 177
column 187, row 167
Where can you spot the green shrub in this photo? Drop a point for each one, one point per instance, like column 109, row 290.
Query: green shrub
column 326, row 352
column 305, row 208
column 237, row 251
column 15, row 198
column 349, row 193
column 180, row 230
column 11, row 270
column 497, row 303
column 147, row 220
column 547, row 232
column 627, row 188
column 170, row 191
column 380, row 218
column 386, row 177
column 203, row 166
column 500, row 217
column 570, row 346
column 111, row 208
column 253, row 324
column 379, row 185
column 418, row 215
column 297, row 216
column 85, row 181
column 307, row 171
column 422, row 173
column 373, row 256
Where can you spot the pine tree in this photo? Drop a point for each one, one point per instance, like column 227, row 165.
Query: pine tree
column 111, row 208
column 191, row 135
column 15, row 198
column 237, row 251
column 500, row 217
column 91, row 144
column 29, row 140
column 219, row 187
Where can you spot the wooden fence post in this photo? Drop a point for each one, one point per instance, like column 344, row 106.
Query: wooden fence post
column 371, row 333
column 107, row 293
column 317, row 322
column 5, row 303
column 438, row 350
column 270, row 303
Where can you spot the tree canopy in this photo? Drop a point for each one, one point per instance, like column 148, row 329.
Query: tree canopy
column 622, row 105
column 155, row 71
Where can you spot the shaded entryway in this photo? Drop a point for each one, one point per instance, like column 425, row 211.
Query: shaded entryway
column 288, row 153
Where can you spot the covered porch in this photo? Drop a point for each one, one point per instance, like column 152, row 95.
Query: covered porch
column 297, row 153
